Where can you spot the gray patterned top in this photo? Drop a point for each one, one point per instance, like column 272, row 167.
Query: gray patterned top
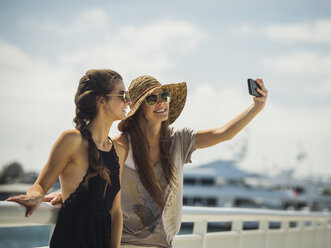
column 144, row 222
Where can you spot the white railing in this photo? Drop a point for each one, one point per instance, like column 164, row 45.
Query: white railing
column 13, row 214
column 296, row 229
column 293, row 228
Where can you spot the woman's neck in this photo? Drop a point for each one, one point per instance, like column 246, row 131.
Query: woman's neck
column 151, row 131
column 99, row 128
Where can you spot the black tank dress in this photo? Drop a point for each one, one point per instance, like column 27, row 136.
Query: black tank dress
column 84, row 220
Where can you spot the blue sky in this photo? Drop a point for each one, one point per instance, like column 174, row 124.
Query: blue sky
column 45, row 47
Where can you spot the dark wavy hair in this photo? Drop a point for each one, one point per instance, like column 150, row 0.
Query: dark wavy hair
column 94, row 84
column 143, row 162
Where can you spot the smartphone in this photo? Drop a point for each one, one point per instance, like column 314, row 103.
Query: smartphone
column 252, row 86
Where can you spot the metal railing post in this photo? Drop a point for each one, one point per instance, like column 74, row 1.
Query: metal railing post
column 237, row 227
column 285, row 226
column 200, row 228
column 301, row 226
column 264, row 227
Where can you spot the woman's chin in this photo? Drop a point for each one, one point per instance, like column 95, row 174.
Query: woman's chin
column 161, row 119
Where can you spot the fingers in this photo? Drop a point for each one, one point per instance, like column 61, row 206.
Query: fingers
column 31, row 203
column 56, row 200
column 53, row 198
column 48, row 198
column 23, row 200
column 263, row 91
column 260, row 83
column 12, row 198
column 19, row 199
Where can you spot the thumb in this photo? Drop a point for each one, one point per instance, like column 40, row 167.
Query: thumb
column 30, row 210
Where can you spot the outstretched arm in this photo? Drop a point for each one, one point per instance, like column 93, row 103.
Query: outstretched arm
column 58, row 159
column 207, row 138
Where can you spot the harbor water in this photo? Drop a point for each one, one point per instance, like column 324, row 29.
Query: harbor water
column 27, row 236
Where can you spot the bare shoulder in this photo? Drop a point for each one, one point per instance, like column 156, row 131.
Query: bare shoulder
column 70, row 138
column 121, row 146
column 121, row 139
column 120, row 149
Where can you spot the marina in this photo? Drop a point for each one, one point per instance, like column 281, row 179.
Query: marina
column 223, row 184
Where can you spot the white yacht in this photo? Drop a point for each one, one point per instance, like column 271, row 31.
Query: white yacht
column 223, row 184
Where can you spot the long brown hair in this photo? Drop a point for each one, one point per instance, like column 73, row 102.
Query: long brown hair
column 94, row 84
column 143, row 162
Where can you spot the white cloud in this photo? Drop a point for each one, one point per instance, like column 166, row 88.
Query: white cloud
column 304, row 63
column 92, row 20
column 323, row 89
column 131, row 49
column 135, row 50
column 311, row 71
column 26, row 77
column 317, row 31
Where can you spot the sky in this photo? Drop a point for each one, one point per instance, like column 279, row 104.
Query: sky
column 214, row 46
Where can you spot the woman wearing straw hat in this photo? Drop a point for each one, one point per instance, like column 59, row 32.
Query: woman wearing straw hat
column 152, row 184
column 88, row 164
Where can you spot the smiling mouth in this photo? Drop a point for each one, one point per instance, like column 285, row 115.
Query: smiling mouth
column 160, row 111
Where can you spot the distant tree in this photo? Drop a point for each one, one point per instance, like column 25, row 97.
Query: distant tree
column 11, row 173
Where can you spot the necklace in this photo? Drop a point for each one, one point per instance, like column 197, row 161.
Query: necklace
column 153, row 161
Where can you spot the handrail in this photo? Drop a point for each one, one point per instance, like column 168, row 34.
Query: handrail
column 13, row 214
column 228, row 214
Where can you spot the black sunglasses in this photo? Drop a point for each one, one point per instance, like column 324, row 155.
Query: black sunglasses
column 123, row 94
column 152, row 99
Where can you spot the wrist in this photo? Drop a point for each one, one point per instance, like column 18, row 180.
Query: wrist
column 258, row 106
column 36, row 192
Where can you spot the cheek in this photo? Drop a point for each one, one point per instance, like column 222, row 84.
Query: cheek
column 147, row 111
column 144, row 109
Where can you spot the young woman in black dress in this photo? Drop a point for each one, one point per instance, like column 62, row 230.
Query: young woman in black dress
column 89, row 165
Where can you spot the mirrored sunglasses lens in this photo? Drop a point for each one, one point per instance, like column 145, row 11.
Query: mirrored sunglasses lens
column 166, row 96
column 151, row 99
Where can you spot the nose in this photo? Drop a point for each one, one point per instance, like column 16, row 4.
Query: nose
column 127, row 99
column 159, row 101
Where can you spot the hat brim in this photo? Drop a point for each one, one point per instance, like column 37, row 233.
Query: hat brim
column 178, row 94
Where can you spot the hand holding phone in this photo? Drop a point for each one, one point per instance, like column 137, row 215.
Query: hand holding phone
column 252, row 88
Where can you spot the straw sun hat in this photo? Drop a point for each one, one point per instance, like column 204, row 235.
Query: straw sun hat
column 143, row 86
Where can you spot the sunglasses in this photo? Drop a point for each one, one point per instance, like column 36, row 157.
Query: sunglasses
column 123, row 94
column 152, row 99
